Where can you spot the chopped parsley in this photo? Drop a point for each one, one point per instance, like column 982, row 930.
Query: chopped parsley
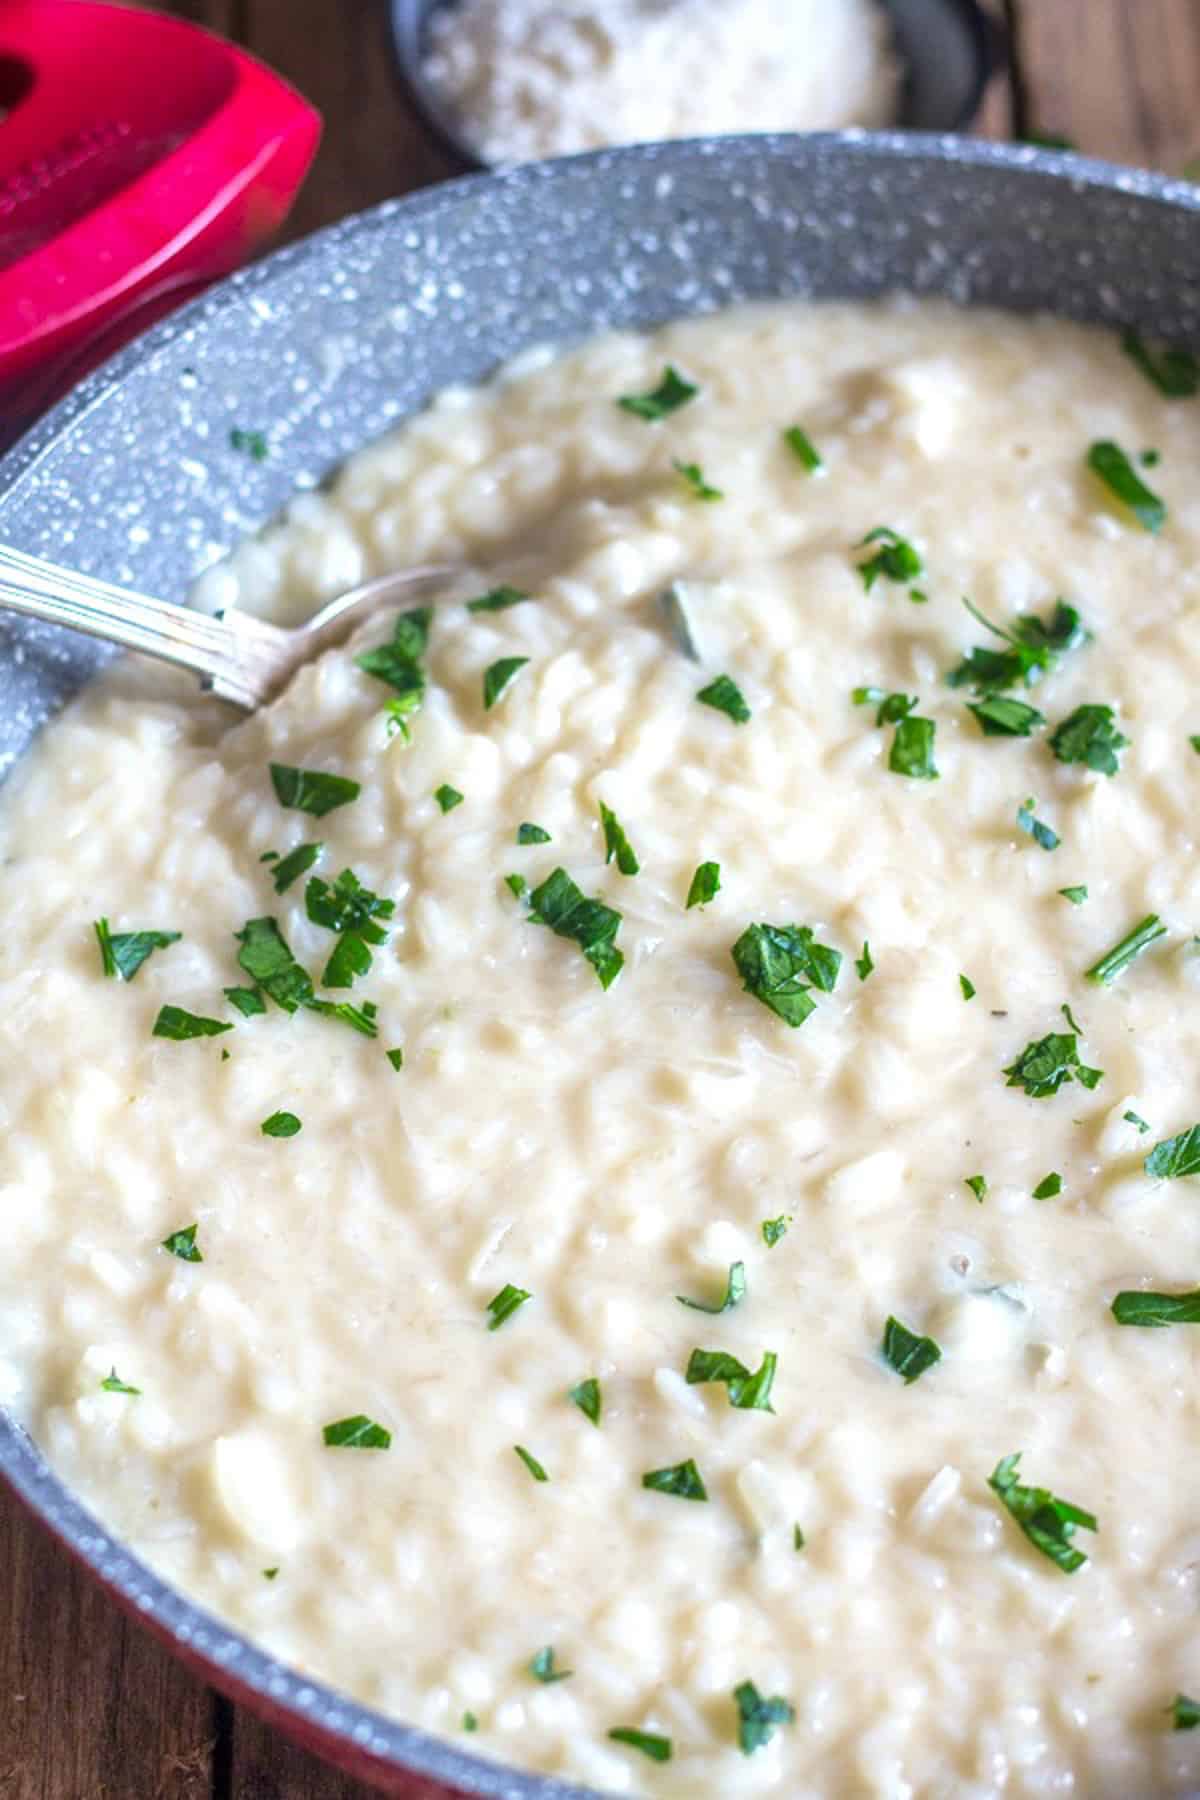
column 173, row 1022
column 1135, row 1307
column 1042, row 834
column 774, row 1229
column 895, row 560
column 1105, row 971
column 542, row 1667
column 281, row 1125
column 1175, row 1156
column 399, row 664
column 503, row 1305
column 395, row 1057
column 735, row 1293
column 779, row 963
column 1033, row 649
column 112, row 1384
column 906, row 1352
column 498, row 599
column 357, row 1433
column 531, row 1463
column 978, row 1186
column 1049, row 1187
column 1175, row 373
column 1076, row 895
column 587, row 1397
column 123, row 952
column 616, row 843
column 748, row 1392
column 532, row 834
column 1185, row 1713
column 266, row 958
column 447, row 797
column 657, row 1748
column 672, row 392
column 912, row 750
column 353, row 911
column 705, row 885
column 516, row 885
column 681, row 1479
column 758, row 1718
column 797, row 1538
column 254, row 443
column 183, row 1245
column 559, row 904
column 803, row 448
column 864, row 964
column 270, row 1574
column 1048, row 1063
column 673, row 605
column 1089, row 736
column 999, row 715
column 312, row 790
column 692, row 476
column 1048, row 1522
column 470, row 1722
column 1110, row 464
column 967, row 987
column 499, row 676
column 724, row 695
column 890, row 707
column 1132, row 1118
column 297, row 862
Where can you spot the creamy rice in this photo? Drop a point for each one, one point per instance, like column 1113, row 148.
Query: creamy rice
column 610, row 1150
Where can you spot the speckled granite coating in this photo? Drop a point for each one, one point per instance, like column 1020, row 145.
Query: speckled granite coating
column 332, row 341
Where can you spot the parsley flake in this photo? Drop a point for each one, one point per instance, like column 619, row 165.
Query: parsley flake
column 532, row 834
column 999, row 715
column 1076, row 895
column 1049, row 1187
column 1136, row 1307
column 797, row 1538
column 112, row 1384
column 693, row 478
column 1034, row 647
column 1110, row 464
column 1175, row 373
column 906, row 1352
column 978, row 1186
column 542, row 1667
column 1042, row 834
column 281, row 1125
column 865, row 964
column 531, row 1463
column 470, row 1722
column 1089, row 736
column 587, row 1397
column 705, row 885
column 681, row 1479
column 748, row 1392
column 248, row 1001
column 561, row 905
column 254, row 443
column 802, row 447
column 657, row 1748
column 779, row 963
column 503, row 1305
column 672, row 392
column 1132, row 1118
column 891, row 708
column 735, row 1293
column 912, row 750
column 516, row 885
column 1048, row 1522
column 357, row 1433
column 724, row 695
column 175, row 1023
column 758, row 1718
column 1105, row 971
column 312, row 790
column 395, row 1057
column 122, row 953
column 895, row 559
column 183, row 1245
column 774, row 1229
column 498, row 599
column 269, row 962
column 447, row 797
column 1185, row 1713
column 616, row 843
column 967, row 987
column 297, row 862
column 399, row 664
column 499, row 676
column 1047, row 1064
column 1175, row 1156
column 270, row 1574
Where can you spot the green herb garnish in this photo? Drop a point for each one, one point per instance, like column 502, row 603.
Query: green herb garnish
column 1089, row 736
column 1136, row 1307
column 532, row 834
column 561, row 905
column 1033, row 649
column 173, row 1022
column 586, row 1396
column 895, row 559
column 681, row 1479
column 865, row 964
column 1175, row 1156
column 1047, row 1064
column 357, row 1433
column 967, row 987
column 906, row 1352
column 269, row 962
column 758, row 1718
column 123, row 952
column 346, row 905
column 270, row 1574
column 890, row 708
column 447, row 797
column 399, row 664
column 516, row 885
column 1105, row 971
column 779, row 963
column 1048, row 1522
column 281, row 1125
column 254, row 443
column 724, row 695
column 498, row 599
column 503, row 1305
column 774, row 1229
column 692, row 476
column 1175, row 373
column 312, row 790
column 978, row 1186
column 912, row 750
column 470, row 1722
column 1109, row 462
column 1185, row 1713
column 671, row 393
column 1132, row 1118
column 1042, row 834
column 802, row 447
column 1076, row 895
column 748, row 1392
column 499, row 676
column 297, row 862
column 616, row 843
column 531, row 1463
column 657, row 1748
column 112, row 1384
column 999, row 715
column 183, row 1245
column 542, row 1667
column 395, row 1057
column 705, row 885
column 1049, row 1187
column 735, row 1293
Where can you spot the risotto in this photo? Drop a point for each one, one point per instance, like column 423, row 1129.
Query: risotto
column 597, row 1175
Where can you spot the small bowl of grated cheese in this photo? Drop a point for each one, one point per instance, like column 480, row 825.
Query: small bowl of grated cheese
column 502, row 82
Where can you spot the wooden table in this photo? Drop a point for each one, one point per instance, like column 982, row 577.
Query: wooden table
column 90, row 1708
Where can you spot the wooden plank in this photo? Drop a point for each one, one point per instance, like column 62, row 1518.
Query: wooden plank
column 266, row 1767
column 91, row 1708
column 1120, row 80
column 995, row 118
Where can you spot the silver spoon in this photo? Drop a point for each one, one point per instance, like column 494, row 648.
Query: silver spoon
column 238, row 657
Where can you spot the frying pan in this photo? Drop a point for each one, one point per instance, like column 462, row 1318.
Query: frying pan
column 330, row 342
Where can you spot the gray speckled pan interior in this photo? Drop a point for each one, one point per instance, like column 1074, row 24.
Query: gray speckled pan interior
column 332, row 341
